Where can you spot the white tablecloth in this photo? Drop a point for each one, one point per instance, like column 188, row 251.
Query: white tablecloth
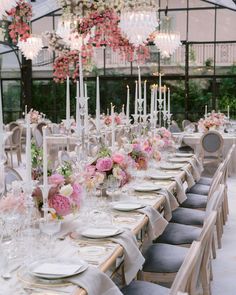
column 193, row 140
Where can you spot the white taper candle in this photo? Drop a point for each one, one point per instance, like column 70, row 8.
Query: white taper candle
column 127, row 105
column 98, row 106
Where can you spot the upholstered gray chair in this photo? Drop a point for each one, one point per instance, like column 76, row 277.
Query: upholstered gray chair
column 162, row 260
column 14, row 145
column 211, row 147
column 187, row 271
column 185, row 123
column 11, row 175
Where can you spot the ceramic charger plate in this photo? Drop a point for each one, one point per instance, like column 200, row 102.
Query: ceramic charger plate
column 127, row 206
column 57, row 268
column 146, row 187
column 171, row 166
column 101, row 232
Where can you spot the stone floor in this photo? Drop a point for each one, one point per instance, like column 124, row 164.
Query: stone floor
column 224, row 267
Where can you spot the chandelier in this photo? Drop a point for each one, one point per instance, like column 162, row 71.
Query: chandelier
column 6, row 5
column 167, row 43
column 31, row 47
column 65, row 27
column 166, row 40
column 138, row 21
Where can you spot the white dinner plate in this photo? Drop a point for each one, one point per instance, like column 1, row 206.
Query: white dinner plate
column 127, row 206
column 184, row 155
column 179, row 160
column 146, row 187
column 57, row 268
column 101, row 232
column 171, row 166
column 159, row 176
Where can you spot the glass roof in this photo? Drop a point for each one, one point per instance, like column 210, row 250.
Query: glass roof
column 43, row 7
column 226, row 3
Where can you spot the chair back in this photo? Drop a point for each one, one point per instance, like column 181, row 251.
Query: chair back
column 38, row 137
column 185, row 123
column 212, row 142
column 217, row 179
column 205, row 240
column 174, row 128
column 216, row 200
column 55, row 128
column 16, row 136
column 11, row 175
column 40, row 126
column 12, row 125
column 63, row 157
column 183, row 278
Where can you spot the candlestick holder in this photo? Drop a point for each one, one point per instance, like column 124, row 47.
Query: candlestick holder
column 164, row 117
column 169, row 119
column 160, row 102
column 136, row 117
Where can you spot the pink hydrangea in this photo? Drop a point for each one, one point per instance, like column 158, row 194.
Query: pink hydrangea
column 104, row 164
column 118, row 158
column 56, row 179
column 61, row 204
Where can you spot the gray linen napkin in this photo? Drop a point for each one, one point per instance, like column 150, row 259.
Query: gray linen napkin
column 156, row 223
column 198, row 164
column 180, row 192
column 189, row 177
column 170, row 203
column 95, row 282
column 133, row 258
column 195, row 170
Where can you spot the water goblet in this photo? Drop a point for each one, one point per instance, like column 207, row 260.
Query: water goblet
column 50, row 227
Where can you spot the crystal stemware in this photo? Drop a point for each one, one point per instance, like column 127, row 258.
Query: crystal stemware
column 50, row 227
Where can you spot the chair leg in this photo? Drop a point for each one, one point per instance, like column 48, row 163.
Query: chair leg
column 213, row 247
column 218, row 232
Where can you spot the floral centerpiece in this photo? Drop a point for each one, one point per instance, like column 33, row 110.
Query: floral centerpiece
column 108, row 120
column 35, row 116
column 140, row 155
column 164, row 138
column 212, row 121
column 107, row 164
column 65, row 194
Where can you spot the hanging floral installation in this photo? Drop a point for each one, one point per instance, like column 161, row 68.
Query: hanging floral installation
column 102, row 27
column 21, row 14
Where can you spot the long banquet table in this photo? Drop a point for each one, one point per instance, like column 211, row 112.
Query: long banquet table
column 110, row 260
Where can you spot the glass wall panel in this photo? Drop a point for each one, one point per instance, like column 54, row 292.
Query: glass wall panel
column 226, row 23
column 11, row 100
column 201, row 25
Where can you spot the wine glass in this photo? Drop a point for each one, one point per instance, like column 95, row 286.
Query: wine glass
column 50, row 227
column 112, row 187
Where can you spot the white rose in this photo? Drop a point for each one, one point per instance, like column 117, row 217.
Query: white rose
column 66, row 190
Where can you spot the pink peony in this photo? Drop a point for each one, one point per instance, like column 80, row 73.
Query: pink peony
column 118, row 158
column 104, row 164
column 61, row 204
column 56, row 179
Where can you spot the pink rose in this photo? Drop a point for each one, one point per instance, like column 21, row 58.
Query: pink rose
column 61, row 204
column 56, row 179
column 104, row 164
column 118, row 120
column 118, row 158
